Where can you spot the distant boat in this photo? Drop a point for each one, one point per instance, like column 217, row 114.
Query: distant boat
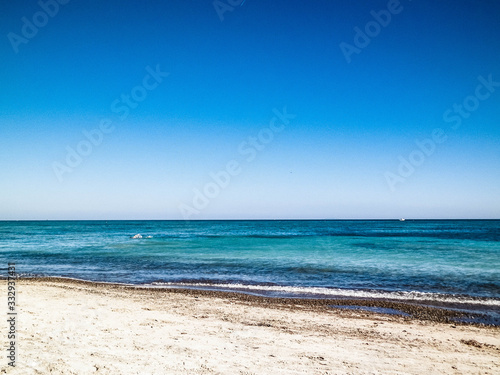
column 402, row 219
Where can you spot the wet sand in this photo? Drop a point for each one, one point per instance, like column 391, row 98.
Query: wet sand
column 73, row 327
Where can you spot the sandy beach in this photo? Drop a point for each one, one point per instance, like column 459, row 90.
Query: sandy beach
column 69, row 327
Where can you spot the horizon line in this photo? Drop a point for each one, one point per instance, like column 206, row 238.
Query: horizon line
column 392, row 219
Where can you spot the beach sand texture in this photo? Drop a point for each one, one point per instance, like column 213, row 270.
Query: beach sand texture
column 83, row 328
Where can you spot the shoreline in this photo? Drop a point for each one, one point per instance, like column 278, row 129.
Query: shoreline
column 79, row 327
column 420, row 310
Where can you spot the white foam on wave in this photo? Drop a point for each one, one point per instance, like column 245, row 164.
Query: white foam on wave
column 334, row 292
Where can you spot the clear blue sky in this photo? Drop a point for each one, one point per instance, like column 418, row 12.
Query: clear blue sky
column 343, row 155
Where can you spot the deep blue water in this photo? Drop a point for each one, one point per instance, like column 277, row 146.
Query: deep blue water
column 455, row 261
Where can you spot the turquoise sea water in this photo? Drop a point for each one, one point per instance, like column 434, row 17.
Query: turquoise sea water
column 440, row 261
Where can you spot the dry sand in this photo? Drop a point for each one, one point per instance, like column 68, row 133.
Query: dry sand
column 82, row 328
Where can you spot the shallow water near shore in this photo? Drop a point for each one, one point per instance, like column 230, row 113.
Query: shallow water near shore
column 441, row 262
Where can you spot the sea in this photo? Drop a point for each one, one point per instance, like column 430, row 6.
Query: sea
column 450, row 263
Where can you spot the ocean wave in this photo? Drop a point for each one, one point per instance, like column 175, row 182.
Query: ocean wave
column 412, row 296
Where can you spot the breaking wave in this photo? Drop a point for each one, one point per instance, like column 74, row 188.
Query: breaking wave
column 319, row 292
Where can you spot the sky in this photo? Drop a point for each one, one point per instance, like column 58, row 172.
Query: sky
column 251, row 109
